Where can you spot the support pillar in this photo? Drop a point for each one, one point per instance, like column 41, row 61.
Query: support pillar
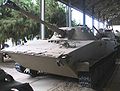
column 93, row 18
column 42, row 8
column 103, row 21
column 103, row 24
column 98, row 20
column 68, row 16
column 84, row 18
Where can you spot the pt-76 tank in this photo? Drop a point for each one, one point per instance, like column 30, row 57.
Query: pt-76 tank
column 68, row 52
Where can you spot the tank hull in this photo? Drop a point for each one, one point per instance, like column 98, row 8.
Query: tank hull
column 92, row 52
column 43, row 64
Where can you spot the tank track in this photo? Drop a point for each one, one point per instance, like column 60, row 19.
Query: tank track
column 99, row 73
column 28, row 71
column 84, row 79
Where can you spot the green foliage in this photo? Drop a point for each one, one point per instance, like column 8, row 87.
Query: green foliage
column 55, row 13
column 16, row 26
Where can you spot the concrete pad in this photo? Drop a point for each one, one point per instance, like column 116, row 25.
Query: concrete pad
column 43, row 83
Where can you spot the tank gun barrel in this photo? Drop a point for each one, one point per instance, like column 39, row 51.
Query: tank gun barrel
column 12, row 5
column 96, row 29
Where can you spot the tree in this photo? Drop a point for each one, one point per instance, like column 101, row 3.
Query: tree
column 16, row 26
column 55, row 14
